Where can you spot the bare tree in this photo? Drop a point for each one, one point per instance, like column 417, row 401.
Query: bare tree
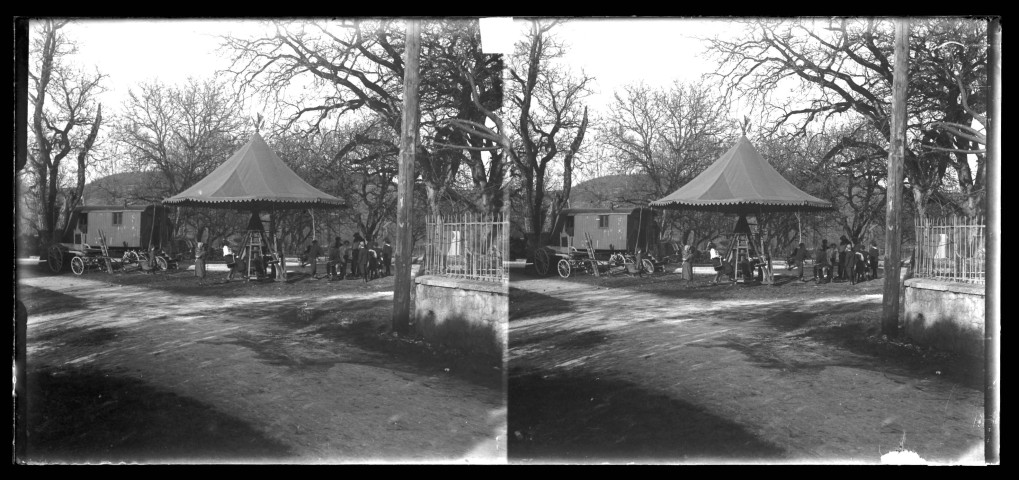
column 182, row 132
column 65, row 121
column 357, row 66
column 550, row 122
column 178, row 135
column 843, row 68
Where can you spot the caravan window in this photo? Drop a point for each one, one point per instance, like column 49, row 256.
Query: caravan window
column 118, row 218
column 603, row 221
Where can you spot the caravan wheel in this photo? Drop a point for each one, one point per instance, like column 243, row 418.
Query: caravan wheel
column 564, row 268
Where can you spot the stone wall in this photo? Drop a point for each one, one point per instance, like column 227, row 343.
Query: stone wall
column 465, row 314
column 945, row 315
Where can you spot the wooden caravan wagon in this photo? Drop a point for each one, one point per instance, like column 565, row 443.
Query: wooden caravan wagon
column 124, row 232
column 589, row 238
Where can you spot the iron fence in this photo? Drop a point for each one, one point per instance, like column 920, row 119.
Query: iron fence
column 467, row 246
column 950, row 248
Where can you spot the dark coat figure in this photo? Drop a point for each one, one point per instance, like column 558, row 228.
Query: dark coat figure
column 873, row 254
column 799, row 257
column 346, row 259
column 335, row 259
column 313, row 253
column 844, row 246
column 355, row 267
column 362, row 262
column 387, row 255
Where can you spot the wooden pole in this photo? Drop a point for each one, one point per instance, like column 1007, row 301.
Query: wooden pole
column 896, row 154
column 992, row 301
column 405, row 188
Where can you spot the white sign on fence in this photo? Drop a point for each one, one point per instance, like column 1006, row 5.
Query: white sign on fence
column 942, row 250
column 454, row 244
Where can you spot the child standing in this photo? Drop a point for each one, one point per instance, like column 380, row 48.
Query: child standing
column 200, row 263
column 873, row 254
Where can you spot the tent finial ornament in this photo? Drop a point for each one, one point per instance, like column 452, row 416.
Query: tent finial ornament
column 746, row 124
column 258, row 123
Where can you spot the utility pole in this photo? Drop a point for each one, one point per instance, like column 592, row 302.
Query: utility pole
column 992, row 301
column 405, row 187
column 896, row 154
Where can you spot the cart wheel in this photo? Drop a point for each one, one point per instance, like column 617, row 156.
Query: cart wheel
column 55, row 258
column 616, row 260
column 649, row 267
column 130, row 257
column 564, row 268
column 161, row 263
column 541, row 262
column 77, row 265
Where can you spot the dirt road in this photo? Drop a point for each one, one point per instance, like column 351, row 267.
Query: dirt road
column 616, row 370
column 133, row 373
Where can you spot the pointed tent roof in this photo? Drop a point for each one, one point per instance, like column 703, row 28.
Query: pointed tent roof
column 254, row 177
column 741, row 181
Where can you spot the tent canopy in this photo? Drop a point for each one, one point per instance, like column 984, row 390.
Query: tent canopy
column 254, row 178
column 741, row 181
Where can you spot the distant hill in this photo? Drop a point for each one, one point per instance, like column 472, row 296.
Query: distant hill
column 120, row 188
column 609, row 190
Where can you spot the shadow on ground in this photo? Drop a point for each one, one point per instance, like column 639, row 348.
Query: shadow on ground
column 89, row 415
column 363, row 324
column 580, row 417
column 526, row 304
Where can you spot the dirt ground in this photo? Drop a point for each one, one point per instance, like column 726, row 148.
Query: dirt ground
column 655, row 369
column 143, row 368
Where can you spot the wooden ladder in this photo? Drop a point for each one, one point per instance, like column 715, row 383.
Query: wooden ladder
column 254, row 240
column 106, row 252
column 590, row 254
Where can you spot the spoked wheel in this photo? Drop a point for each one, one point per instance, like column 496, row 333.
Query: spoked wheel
column 161, row 263
column 616, row 260
column 130, row 257
column 541, row 262
column 564, row 268
column 77, row 265
column 55, row 258
column 648, row 265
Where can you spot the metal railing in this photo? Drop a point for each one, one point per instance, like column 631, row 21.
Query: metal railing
column 950, row 249
column 467, row 246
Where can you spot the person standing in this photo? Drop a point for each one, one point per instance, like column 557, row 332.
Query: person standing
column 873, row 254
column 362, row 261
column 716, row 262
column 200, row 263
column 687, row 263
column 355, row 269
column 799, row 257
column 844, row 248
column 335, row 258
column 313, row 253
column 346, row 259
column 229, row 258
column 387, row 255
column 821, row 264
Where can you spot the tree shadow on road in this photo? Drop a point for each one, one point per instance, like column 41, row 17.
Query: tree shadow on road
column 579, row 417
column 527, row 304
column 85, row 415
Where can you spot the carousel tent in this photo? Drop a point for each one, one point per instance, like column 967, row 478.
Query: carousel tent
column 254, row 178
column 741, row 181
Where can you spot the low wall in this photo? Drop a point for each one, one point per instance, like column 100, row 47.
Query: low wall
column 465, row 314
column 945, row 315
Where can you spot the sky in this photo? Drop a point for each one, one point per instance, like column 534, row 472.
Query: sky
column 615, row 52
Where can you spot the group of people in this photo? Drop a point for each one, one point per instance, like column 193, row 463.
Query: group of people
column 848, row 261
column 747, row 265
column 366, row 260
